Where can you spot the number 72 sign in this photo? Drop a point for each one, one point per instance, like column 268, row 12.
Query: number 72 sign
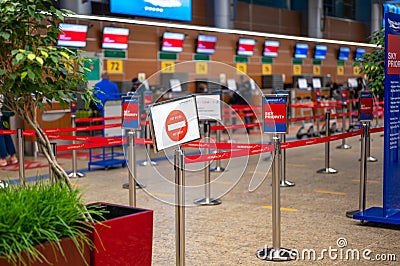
column 115, row 66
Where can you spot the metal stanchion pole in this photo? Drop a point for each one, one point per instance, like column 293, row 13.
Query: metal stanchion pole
column 180, row 207
column 207, row 200
column 276, row 253
column 327, row 169
column 363, row 171
column 369, row 157
column 74, row 172
column 351, row 116
column 218, row 167
column 148, row 160
column 283, row 181
column 132, row 163
column 21, row 165
column 344, row 145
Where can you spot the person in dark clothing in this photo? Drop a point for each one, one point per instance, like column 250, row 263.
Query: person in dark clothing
column 135, row 84
column 7, row 148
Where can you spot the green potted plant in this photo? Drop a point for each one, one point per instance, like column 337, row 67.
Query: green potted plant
column 34, row 71
column 45, row 223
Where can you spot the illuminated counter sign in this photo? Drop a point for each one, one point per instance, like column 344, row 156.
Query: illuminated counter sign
column 130, row 107
column 275, row 113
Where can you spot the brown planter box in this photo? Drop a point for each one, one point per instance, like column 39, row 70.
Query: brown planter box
column 71, row 257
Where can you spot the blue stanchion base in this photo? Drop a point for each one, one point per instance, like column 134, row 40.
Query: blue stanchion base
column 376, row 214
column 106, row 163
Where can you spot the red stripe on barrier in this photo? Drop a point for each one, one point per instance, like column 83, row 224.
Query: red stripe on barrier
column 97, row 119
column 8, row 132
column 377, row 129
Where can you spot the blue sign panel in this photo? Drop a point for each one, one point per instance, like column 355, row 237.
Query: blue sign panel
column 390, row 212
column 391, row 197
column 275, row 113
column 130, row 107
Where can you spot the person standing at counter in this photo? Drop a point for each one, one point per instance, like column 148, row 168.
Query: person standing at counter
column 106, row 90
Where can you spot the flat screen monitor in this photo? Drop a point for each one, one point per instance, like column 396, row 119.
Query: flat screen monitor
column 115, row 38
column 172, row 42
column 72, row 35
column 206, row 44
column 302, row 83
column 344, row 53
column 359, row 54
column 245, row 47
column 163, row 9
column 320, row 51
column 301, row 50
column 271, row 48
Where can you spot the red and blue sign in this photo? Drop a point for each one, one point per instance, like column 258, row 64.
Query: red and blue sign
column 130, row 108
column 390, row 211
column 275, row 113
column 366, row 107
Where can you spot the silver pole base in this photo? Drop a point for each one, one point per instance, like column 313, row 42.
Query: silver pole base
column 76, row 175
column 209, row 201
column 327, row 171
column 349, row 214
column 344, row 147
column 217, row 169
column 138, row 185
column 281, row 254
column 146, row 163
column 371, row 159
column 287, row 183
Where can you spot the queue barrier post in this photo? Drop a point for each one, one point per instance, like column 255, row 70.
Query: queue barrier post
column 74, row 172
column 363, row 171
column 21, row 166
column 343, row 146
column 283, row 181
column 148, row 160
column 327, row 169
column 369, row 157
column 131, row 169
column 179, row 165
column 218, row 167
column 276, row 253
column 207, row 200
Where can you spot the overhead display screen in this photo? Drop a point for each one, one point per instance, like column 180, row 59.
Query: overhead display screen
column 172, row 42
column 301, row 50
column 246, row 47
column 115, row 38
column 320, row 51
column 163, row 9
column 344, row 53
column 271, row 48
column 206, row 44
column 359, row 53
column 72, row 35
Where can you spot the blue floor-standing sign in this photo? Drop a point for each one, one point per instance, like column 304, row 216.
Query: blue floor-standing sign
column 390, row 212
